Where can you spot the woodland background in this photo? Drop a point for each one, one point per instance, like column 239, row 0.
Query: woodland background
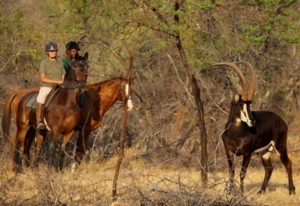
column 163, row 135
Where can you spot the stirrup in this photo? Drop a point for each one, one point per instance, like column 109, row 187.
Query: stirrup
column 41, row 125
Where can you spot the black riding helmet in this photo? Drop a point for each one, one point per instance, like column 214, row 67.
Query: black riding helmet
column 72, row 45
column 51, row 46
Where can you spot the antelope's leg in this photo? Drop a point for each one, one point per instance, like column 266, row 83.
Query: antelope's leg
column 230, row 159
column 288, row 166
column 246, row 160
column 268, row 172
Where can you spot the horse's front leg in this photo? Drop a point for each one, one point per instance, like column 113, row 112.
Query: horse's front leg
column 80, row 147
column 66, row 139
column 38, row 147
column 246, row 160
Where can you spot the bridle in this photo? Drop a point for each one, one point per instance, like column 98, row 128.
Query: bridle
column 79, row 84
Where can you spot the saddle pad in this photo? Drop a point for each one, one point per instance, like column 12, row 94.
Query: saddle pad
column 32, row 102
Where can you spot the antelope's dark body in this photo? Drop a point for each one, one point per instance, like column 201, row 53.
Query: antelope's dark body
column 269, row 126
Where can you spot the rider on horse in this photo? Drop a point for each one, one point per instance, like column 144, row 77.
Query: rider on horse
column 72, row 49
column 51, row 73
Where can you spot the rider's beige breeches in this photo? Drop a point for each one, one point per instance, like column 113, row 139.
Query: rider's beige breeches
column 43, row 93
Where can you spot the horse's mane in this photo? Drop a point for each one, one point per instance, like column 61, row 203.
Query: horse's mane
column 114, row 79
column 70, row 76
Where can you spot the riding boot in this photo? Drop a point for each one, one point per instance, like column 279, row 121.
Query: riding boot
column 39, row 116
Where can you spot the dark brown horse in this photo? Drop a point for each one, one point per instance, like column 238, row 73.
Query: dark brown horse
column 61, row 116
column 99, row 98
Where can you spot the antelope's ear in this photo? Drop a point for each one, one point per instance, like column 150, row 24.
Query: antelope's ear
column 236, row 98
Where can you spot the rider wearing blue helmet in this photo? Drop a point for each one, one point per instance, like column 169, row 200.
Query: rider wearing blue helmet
column 51, row 73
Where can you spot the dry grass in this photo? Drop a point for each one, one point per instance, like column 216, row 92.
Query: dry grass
column 140, row 183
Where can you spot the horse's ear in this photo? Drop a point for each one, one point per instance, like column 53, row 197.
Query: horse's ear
column 86, row 56
column 131, row 79
column 77, row 57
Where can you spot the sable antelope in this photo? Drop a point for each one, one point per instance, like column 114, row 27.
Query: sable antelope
column 61, row 116
column 249, row 131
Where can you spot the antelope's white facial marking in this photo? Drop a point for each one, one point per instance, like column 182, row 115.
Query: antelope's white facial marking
column 127, row 89
column 245, row 116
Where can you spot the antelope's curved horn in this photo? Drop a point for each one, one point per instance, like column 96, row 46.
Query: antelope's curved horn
column 242, row 78
column 252, row 80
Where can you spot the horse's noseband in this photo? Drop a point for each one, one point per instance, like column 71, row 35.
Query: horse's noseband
column 82, row 82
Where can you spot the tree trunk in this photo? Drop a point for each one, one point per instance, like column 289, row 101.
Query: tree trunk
column 198, row 101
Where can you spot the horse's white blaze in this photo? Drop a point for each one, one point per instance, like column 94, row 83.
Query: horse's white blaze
column 245, row 116
column 127, row 89
column 129, row 105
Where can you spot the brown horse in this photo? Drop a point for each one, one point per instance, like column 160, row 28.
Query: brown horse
column 99, row 98
column 61, row 116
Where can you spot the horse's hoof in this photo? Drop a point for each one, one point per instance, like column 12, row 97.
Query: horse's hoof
column 230, row 190
column 242, row 190
column 73, row 167
column 261, row 192
column 19, row 171
column 292, row 192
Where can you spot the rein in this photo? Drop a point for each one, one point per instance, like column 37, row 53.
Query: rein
column 80, row 84
column 75, row 87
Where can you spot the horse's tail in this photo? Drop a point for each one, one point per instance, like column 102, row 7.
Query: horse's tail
column 6, row 118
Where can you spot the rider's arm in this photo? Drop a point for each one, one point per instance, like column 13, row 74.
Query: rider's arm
column 44, row 79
